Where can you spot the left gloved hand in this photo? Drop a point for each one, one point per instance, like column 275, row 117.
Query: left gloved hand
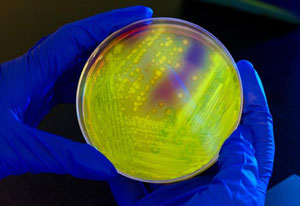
column 45, row 76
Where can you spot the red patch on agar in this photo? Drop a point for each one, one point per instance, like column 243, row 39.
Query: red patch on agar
column 164, row 91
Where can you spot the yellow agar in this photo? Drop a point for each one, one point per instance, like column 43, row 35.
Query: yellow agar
column 157, row 110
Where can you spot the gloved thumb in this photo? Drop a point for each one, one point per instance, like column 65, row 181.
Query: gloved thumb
column 35, row 151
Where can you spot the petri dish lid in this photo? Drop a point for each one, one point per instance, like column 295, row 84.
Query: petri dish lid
column 158, row 98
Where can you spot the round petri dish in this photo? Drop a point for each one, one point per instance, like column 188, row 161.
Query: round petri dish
column 158, row 98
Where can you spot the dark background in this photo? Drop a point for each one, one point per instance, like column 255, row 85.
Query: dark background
column 273, row 46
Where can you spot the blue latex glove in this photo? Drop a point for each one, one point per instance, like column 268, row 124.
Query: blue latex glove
column 45, row 76
column 245, row 162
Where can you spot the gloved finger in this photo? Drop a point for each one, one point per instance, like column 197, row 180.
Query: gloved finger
column 66, row 85
column 127, row 191
column 67, row 48
column 236, row 182
column 257, row 118
column 35, row 151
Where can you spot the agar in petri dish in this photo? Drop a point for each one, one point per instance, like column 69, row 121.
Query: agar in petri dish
column 158, row 98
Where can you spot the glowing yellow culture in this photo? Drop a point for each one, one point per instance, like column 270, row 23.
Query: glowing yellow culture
column 159, row 98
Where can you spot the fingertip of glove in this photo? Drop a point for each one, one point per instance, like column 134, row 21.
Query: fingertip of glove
column 112, row 173
column 247, row 70
column 147, row 11
column 92, row 163
column 245, row 64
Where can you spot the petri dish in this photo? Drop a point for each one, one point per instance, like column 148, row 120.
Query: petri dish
column 158, row 98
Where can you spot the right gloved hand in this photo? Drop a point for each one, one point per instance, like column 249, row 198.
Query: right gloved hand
column 245, row 162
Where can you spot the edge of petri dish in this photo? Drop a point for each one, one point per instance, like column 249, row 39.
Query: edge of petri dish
column 103, row 44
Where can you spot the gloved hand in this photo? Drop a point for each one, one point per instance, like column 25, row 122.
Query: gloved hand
column 245, row 162
column 45, row 76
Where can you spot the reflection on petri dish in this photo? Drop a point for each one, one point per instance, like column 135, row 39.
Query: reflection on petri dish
column 158, row 98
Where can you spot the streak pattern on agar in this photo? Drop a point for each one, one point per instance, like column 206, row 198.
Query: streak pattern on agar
column 160, row 100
